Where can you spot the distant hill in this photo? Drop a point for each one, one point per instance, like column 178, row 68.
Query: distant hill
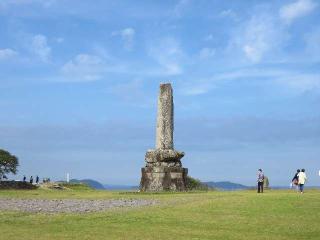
column 226, row 185
column 120, row 187
column 97, row 185
column 92, row 183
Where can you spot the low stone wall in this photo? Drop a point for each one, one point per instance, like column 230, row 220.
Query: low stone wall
column 16, row 185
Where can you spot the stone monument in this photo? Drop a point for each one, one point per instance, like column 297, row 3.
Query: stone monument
column 163, row 170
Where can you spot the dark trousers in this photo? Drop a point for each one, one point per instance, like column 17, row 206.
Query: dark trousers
column 260, row 187
column 301, row 186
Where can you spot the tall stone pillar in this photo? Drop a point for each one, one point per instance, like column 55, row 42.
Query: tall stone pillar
column 163, row 170
column 164, row 134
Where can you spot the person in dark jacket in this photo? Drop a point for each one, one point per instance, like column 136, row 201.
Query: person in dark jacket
column 295, row 179
column 260, row 181
column 37, row 179
column 31, row 180
column 24, row 178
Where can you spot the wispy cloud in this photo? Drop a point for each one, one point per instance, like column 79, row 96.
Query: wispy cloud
column 260, row 37
column 257, row 37
column 83, row 67
column 127, row 35
column 195, row 89
column 180, row 7
column 296, row 81
column 228, row 13
column 297, row 9
column 40, row 47
column 207, row 53
column 7, row 53
column 300, row 82
column 168, row 53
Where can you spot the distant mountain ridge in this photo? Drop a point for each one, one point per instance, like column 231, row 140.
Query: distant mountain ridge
column 92, row 183
column 226, row 185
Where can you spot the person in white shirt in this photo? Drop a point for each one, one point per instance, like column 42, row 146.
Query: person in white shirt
column 302, row 178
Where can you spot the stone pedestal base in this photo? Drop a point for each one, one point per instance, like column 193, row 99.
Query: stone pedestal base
column 163, row 179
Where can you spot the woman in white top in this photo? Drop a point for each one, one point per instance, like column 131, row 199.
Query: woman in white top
column 302, row 178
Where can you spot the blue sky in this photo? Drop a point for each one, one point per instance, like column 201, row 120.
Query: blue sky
column 79, row 84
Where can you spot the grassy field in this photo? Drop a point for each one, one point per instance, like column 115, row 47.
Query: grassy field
column 246, row 215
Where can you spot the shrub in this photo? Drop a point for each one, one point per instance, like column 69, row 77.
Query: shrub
column 195, row 184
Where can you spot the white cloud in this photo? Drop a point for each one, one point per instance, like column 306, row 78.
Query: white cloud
column 299, row 8
column 207, row 53
column 127, row 36
column 196, row 89
column 255, row 51
column 84, row 67
column 180, row 7
column 7, row 53
column 296, row 81
column 300, row 82
column 39, row 47
column 230, row 14
column 205, row 85
column 257, row 37
column 168, row 54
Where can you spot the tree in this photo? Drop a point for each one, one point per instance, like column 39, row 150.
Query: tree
column 8, row 163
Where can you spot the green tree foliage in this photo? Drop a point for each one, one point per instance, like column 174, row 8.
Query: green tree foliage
column 8, row 163
column 195, row 184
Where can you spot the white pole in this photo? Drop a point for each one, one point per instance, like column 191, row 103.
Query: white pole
column 68, row 177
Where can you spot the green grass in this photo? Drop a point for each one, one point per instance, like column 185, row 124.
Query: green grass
column 76, row 186
column 207, row 215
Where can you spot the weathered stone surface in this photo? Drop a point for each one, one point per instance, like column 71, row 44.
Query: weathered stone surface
column 163, row 170
column 164, row 164
column 160, row 155
column 163, row 179
column 164, row 133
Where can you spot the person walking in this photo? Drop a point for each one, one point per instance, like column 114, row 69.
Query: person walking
column 37, row 179
column 260, row 181
column 295, row 180
column 302, row 178
column 24, row 178
column 31, row 180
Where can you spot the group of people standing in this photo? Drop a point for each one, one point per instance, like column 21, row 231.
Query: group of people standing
column 299, row 179
column 31, row 179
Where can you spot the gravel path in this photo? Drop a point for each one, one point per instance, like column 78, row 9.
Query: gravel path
column 69, row 205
